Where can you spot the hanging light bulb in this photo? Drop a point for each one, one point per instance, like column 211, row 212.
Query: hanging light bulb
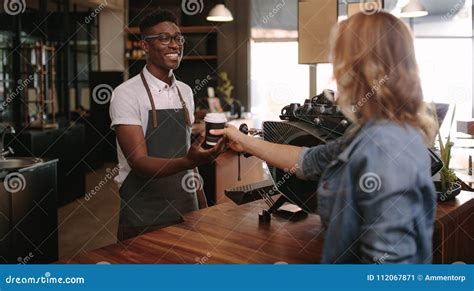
column 413, row 9
column 220, row 13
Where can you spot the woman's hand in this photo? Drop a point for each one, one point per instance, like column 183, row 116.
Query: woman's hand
column 234, row 136
column 278, row 155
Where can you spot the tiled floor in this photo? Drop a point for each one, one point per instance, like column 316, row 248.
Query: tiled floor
column 87, row 224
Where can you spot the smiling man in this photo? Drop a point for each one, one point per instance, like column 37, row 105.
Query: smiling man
column 152, row 114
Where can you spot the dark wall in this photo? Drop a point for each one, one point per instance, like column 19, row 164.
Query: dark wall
column 139, row 8
column 234, row 49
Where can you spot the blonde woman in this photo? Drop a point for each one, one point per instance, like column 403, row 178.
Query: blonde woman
column 376, row 197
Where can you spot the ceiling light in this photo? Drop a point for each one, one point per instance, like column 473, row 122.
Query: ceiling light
column 413, row 9
column 220, row 13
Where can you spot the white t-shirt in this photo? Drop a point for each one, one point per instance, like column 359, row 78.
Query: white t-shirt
column 130, row 105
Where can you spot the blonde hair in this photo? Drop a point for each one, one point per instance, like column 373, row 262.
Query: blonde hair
column 376, row 72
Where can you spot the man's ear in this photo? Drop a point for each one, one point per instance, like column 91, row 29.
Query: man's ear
column 145, row 46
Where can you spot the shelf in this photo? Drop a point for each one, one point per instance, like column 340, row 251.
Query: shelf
column 185, row 58
column 184, row 29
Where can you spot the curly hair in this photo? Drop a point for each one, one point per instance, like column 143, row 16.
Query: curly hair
column 156, row 17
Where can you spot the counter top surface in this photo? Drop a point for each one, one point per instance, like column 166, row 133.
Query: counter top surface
column 445, row 209
column 227, row 233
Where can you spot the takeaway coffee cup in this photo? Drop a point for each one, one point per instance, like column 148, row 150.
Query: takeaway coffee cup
column 213, row 121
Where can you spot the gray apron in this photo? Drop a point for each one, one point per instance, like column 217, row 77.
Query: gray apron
column 160, row 201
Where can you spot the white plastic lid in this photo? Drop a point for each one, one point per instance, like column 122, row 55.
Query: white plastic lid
column 215, row 118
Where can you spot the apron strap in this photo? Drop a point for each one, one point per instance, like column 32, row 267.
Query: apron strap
column 185, row 108
column 153, row 108
column 154, row 116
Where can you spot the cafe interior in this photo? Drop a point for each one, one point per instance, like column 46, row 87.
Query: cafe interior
column 265, row 66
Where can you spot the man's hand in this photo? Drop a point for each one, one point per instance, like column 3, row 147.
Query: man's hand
column 133, row 145
column 198, row 156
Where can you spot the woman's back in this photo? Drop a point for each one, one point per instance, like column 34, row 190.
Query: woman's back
column 377, row 198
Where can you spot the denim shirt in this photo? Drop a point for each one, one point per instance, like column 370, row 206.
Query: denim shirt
column 376, row 197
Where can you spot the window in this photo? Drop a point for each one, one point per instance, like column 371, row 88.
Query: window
column 446, row 72
column 443, row 43
column 276, row 78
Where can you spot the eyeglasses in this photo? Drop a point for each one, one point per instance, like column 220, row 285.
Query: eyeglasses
column 165, row 38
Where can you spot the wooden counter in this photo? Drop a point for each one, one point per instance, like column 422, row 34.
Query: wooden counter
column 453, row 238
column 227, row 233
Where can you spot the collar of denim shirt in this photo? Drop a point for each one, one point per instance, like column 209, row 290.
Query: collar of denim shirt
column 355, row 136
